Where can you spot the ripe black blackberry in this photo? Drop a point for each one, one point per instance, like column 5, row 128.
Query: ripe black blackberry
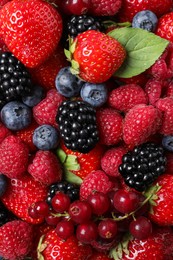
column 141, row 167
column 70, row 189
column 81, row 23
column 77, row 125
column 15, row 81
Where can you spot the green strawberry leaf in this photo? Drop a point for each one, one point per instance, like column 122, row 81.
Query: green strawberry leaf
column 68, row 54
column 72, row 178
column 117, row 252
column 143, row 49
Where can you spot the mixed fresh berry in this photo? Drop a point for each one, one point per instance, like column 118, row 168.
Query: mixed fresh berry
column 86, row 130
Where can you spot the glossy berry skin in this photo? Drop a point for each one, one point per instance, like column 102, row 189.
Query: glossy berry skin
column 3, row 184
column 16, row 116
column 94, row 94
column 36, row 95
column 141, row 228
column 41, row 209
column 80, row 211
column 52, row 220
column 75, row 7
column 45, row 137
column 86, row 232
column 107, row 228
column 167, row 142
column 60, row 202
column 68, row 84
column 164, row 26
column 99, row 202
column 65, row 229
column 145, row 20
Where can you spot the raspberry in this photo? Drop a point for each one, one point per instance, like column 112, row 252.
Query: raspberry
column 169, row 89
column 154, row 89
column 112, row 159
column 105, row 7
column 95, row 181
column 127, row 96
column 4, row 132
column 45, row 167
column 45, row 112
column 140, row 123
column 13, row 157
column 110, row 124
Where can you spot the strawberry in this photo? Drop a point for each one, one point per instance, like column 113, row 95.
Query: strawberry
column 166, row 106
column 15, row 239
column 31, row 30
column 95, row 181
column 99, row 256
column 140, row 123
column 53, row 247
column 45, row 74
column 45, row 111
column 130, row 8
column 104, row 8
column 21, row 194
column 14, row 156
column 85, row 163
column 45, row 167
column 110, row 125
column 127, row 96
column 97, row 55
column 164, row 26
column 161, row 203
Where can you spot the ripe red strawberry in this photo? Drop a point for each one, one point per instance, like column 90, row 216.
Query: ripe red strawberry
column 45, row 167
column 164, row 26
column 140, row 123
column 111, row 160
column 98, row 56
column 95, row 181
column 153, row 88
column 105, row 8
column 14, row 156
column 45, row 74
column 15, row 239
column 21, row 194
column 4, row 132
column 130, row 8
column 110, row 125
column 161, row 205
column 99, row 256
column 53, row 247
column 127, row 96
column 86, row 163
column 166, row 106
column 31, row 30
column 45, row 112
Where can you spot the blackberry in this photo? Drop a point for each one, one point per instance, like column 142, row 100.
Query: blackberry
column 81, row 23
column 15, row 81
column 77, row 125
column 141, row 167
column 72, row 190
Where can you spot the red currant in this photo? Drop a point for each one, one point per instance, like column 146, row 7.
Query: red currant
column 75, row 7
column 80, row 211
column 99, row 202
column 141, row 228
column 60, row 202
column 87, row 232
column 65, row 229
column 52, row 220
column 107, row 228
column 39, row 209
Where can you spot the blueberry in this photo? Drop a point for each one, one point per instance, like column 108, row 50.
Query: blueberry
column 3, row 184
column 16, row 116
column 94, row 94
column 167, row 142
column 35, row 97
column 146, row 20
column 68, row 84
column 45, row 137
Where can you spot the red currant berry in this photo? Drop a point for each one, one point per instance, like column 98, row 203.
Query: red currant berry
column 99, row 202
column 107, row 228
column 141, row 228
column 65, row 229
column 39, row 209
column 87, row 232
column 60, row 202
column 126, row 201
column 32, row 213
column 75, row 7
column 52, row 220
column 80, row 211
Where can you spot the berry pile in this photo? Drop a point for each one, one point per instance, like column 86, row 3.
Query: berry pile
column 86, row 129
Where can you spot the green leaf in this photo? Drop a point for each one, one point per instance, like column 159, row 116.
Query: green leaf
column 75, row 65
column 61, row 155
column 68, row 54
column 72, row 178
column 143, row 49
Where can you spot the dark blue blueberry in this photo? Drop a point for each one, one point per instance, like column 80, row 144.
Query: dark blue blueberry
column 167, row 142
column 45, row 137
column 94, row 94
column 68, row 84
column 3, row 184
column 146, row 20
column 16, row 116
column 35, row 96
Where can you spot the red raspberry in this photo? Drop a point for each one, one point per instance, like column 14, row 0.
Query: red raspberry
column 140, row 123
column 45, row 167
column 45, row 112
column 112, row 159
column 4, row 132
column 105, row 7
column 110, row 123
column 95, row 181
column 154, row 90
column 140, row 79
column 14, row 156
column 166, row 106
column 127, row 96
column 169, row 89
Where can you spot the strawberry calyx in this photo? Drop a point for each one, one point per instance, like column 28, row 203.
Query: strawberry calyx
column 110, row 23
column 40, row 248
column 70, row 163
column 152, row 196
